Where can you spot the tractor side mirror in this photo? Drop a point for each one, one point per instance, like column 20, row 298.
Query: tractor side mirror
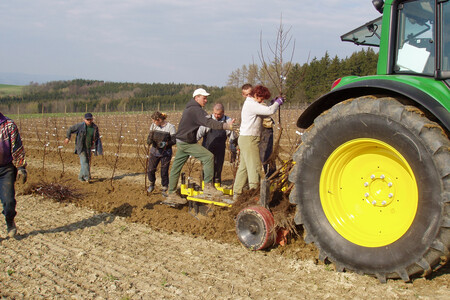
column 378, row 4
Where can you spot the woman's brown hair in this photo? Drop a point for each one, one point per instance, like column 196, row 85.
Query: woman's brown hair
column 260, row 91
column 158, row 115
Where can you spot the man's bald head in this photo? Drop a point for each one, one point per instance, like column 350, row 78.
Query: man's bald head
column 219, row 111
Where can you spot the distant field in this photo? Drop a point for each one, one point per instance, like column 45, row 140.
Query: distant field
column 7, row 90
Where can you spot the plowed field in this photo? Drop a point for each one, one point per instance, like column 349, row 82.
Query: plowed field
column 117, row 242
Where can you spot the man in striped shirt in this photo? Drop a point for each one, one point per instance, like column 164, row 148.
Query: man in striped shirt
column 12, row 165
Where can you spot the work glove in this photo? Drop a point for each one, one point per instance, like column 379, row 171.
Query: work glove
column 21, row 175
column 162, row 144
column 279, row 100
column 230, row 126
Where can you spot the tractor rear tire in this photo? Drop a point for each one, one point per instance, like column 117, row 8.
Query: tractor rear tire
column 372, row 188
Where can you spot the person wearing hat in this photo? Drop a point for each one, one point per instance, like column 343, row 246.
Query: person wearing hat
column 192, row 118
column 87, row 141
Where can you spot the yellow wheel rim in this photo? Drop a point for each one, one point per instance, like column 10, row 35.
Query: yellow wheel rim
column 368, row 192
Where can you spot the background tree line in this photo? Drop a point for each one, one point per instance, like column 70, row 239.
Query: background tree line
column 304, row 83
column 80, row 95
column 307, row 82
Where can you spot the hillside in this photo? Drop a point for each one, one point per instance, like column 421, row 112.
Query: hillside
column 10, row 90
column 81, row 95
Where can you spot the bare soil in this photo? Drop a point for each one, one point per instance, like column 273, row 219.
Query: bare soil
column 64, row 251
column 120, row 243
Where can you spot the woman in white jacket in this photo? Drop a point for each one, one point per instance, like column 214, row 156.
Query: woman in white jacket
column 252, row 114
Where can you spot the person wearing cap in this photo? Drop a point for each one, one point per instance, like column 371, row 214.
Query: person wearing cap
column 252, row 115
column 12, row 168
column 192, row 118
column 87, row 141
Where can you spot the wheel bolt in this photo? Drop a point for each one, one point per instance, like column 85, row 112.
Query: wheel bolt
column 389, row 184
column 374, row 202
column 390, row 195
column 383, row 203
column 372, row 176
column 366, row 194
column 366, row 184
column 382, row 176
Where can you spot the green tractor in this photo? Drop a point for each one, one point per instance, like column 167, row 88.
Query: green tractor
column 372, row 175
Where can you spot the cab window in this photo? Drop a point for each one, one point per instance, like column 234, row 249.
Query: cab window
column 415, row 47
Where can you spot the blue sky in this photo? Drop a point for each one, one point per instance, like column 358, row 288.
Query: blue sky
column 181, row 41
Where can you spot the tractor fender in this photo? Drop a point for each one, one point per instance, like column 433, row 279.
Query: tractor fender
column 375, row 87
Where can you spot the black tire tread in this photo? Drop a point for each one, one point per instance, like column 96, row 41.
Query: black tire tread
column 438, row 146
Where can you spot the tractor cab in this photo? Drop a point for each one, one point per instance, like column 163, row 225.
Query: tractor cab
column 419, row 39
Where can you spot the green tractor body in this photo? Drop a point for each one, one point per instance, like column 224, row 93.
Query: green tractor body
column 372, row 175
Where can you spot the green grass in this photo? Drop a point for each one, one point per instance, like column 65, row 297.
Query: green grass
column 10, row 90
column 111, row 277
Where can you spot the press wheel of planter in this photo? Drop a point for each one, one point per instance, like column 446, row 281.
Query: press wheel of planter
column 255, row 228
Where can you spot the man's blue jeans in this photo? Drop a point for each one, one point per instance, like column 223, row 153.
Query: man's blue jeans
column 7, row 193
column 85, row 172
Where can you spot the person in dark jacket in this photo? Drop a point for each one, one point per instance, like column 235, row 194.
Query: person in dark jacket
column 161, row 138
column 87, row 141
column 215, row 140
column 12, row 167
column 193, row 117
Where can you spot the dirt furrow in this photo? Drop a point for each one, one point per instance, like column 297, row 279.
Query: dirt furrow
column 64, row 251
column 97, row 173
column 68, row 251
column 39, row 268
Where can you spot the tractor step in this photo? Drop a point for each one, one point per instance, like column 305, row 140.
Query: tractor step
column 222, row 203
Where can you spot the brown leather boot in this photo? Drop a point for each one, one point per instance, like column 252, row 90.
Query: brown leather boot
column 174, row 199
column 12, row 229
column 211, row 192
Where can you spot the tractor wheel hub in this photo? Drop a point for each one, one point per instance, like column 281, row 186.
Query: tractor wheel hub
column 379, row 189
